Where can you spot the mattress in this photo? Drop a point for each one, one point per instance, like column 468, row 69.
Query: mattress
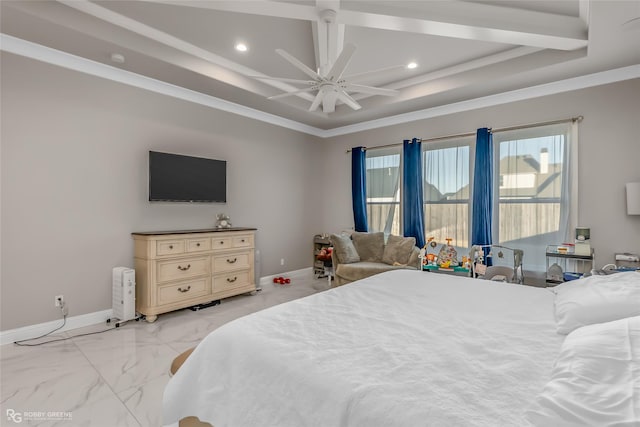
column 402, row 348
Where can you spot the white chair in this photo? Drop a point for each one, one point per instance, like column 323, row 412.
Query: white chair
column 499, row 273
column 504, row 273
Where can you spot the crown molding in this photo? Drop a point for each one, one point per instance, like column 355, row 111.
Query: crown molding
column 560, row 86
column 66, row 60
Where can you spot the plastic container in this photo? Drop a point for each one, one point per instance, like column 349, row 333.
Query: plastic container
column 571, row 276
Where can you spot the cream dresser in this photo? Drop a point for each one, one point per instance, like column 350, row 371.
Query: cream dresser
column 178, row 269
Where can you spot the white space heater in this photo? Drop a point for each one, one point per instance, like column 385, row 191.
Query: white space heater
column 124, row 293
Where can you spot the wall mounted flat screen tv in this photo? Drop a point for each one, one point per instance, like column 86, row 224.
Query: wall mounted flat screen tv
column 177, row 178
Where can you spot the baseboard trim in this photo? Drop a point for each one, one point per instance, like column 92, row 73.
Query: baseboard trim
column 74, row 322
column 11, row 335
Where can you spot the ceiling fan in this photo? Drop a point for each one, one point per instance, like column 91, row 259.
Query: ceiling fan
column 331, row 86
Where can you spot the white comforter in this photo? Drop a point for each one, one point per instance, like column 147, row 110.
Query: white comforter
column 596, row 379
column 403, row 348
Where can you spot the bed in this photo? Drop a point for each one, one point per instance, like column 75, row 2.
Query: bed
column 402, row 348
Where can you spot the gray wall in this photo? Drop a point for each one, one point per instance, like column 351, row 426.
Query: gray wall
column 609, row 156
column 74, row 184
column 74, row 178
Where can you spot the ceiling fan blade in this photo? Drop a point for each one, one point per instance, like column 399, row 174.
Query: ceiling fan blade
column 344, row 97
column 370, row 90
column 299, row 65
column 329, row 101
column 372, row 74
column 316, row 101
column 295, row 92
column 341, row 63
column 280, row 79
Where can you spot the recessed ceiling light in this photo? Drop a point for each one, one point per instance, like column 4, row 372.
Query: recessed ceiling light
column 117, row 58
column 411, row 65
column 241, row 47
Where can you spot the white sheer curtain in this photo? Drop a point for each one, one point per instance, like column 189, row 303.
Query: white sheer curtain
column 447, row 170
column 383, row 190
column 569, row 195
column 536, row 180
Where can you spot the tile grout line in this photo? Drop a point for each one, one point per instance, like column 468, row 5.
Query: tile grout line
column 107, row 383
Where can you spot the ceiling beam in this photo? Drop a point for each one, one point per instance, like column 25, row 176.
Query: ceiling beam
column 457, row 19
column 254, row 7
column 166, row 39
column 583, row 7
column 473, row 21
column 473, row 64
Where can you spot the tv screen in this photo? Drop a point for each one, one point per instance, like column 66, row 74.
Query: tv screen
column 177, row 178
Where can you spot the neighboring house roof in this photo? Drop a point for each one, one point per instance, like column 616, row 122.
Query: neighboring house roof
column 431, row 193
column 545, row 185
column 382, row 182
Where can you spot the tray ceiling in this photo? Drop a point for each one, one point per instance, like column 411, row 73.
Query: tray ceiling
column 463, row 49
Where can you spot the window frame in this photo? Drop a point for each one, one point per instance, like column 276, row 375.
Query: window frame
column 570, row 154
column 381, row 152
column 468, row 141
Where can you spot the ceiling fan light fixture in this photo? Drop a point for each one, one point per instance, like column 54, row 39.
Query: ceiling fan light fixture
column 411, row 65
column 241, row 47
column 331, row 86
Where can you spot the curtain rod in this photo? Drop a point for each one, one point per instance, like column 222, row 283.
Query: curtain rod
column 464, row 135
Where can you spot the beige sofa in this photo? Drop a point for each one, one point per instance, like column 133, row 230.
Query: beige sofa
column 362, row 255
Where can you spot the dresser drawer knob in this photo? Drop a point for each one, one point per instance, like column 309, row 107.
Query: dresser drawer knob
column 170, row 246
column 232, row 261
column 230, row 280
column 242, row 240
column 185, row 289
column 222, row 242
column 198, row 244
column 181, row 268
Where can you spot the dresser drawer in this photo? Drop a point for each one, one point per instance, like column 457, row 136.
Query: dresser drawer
column 233, row 261
column 182, row 269
column 230, row 280
column 199, row 245
column 221, row 243
column 169, row 247
column 182, row 291
column 243, row 241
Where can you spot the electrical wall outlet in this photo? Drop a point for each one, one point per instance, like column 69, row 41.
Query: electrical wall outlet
column 59, row 300
column 281, row 261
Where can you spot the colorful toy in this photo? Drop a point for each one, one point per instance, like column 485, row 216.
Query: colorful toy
column 281, row 280
column 324, row 254
column 448, row 255
column 429, row 258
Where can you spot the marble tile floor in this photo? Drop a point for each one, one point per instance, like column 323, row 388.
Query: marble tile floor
column 117, row 378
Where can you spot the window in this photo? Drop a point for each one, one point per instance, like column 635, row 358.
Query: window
column 534, row 189
column 446, row 169
column 533, row 192
column 383, row 190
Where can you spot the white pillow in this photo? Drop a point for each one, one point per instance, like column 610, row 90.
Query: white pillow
column 597, row 299
column 595, row 380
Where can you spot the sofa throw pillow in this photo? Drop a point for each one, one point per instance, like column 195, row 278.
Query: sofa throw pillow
column 398, row 250
column 370, row 246
column 344, row 249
